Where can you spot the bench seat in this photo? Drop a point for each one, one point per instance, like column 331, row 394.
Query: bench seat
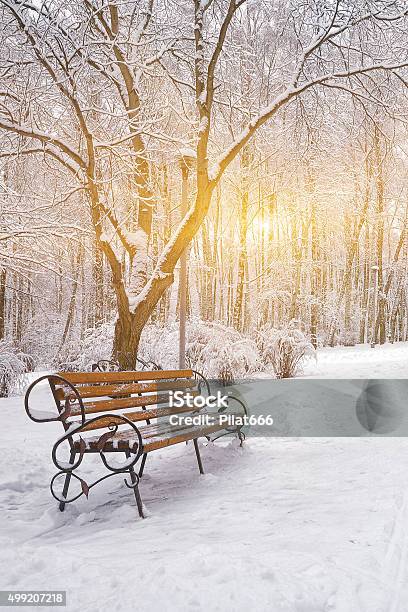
column 153, row 436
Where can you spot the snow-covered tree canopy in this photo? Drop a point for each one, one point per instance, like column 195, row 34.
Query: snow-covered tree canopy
column 293, row 118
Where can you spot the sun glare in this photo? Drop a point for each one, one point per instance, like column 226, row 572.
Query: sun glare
column 260, row 226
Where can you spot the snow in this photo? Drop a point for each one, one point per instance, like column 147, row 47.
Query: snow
column 138, row 240
column 160, row 274
column 44, row 415
column 203, row 124
column 360, row 361
column 188, row 152
column 284, row 524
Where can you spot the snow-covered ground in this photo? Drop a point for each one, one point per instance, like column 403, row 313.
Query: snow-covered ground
column 360, row 361
column 286, row 525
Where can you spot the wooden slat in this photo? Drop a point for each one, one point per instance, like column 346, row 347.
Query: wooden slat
column 126, row 388
column 164, row 429
column 139, row 415
column 190, row 434
column 79, row 378
column 121, row 403
column 147, row 431
column 156, row 436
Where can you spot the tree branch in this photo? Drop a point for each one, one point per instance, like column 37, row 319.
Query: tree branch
column 28, row 132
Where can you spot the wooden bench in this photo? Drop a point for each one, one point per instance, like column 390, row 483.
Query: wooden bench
column 115, row 404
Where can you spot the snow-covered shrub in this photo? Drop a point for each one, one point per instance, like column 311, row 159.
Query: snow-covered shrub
column 160, row 344
column 96, row 344
column 221, row 352
column 41, row 338
column 285, row 350
column 14, row 365
column 348, row 338
column 217, row 351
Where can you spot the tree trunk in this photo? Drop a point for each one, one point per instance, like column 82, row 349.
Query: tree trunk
column 314, row 281
column 20, row 297
column 71, row 307
column 365, row 287
column 98, row 305
column 239, row 306
column 206, row 294
column 3, row 276
column 126, row 342
column 380, row 336
column 298, row 239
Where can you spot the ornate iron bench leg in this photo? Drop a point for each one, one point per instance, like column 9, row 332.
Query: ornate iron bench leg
column 67, row 481
column 142, row 465
column 197, row 450
column 135, row 486
column 241, row 437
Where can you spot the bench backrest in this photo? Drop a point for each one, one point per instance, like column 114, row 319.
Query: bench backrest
column 139, row 396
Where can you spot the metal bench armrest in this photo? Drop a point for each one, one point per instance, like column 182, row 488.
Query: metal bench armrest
column 74, row 397
column 202, row 381
column 242, row 404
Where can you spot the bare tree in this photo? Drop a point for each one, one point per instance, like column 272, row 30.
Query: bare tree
column 78, row 81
